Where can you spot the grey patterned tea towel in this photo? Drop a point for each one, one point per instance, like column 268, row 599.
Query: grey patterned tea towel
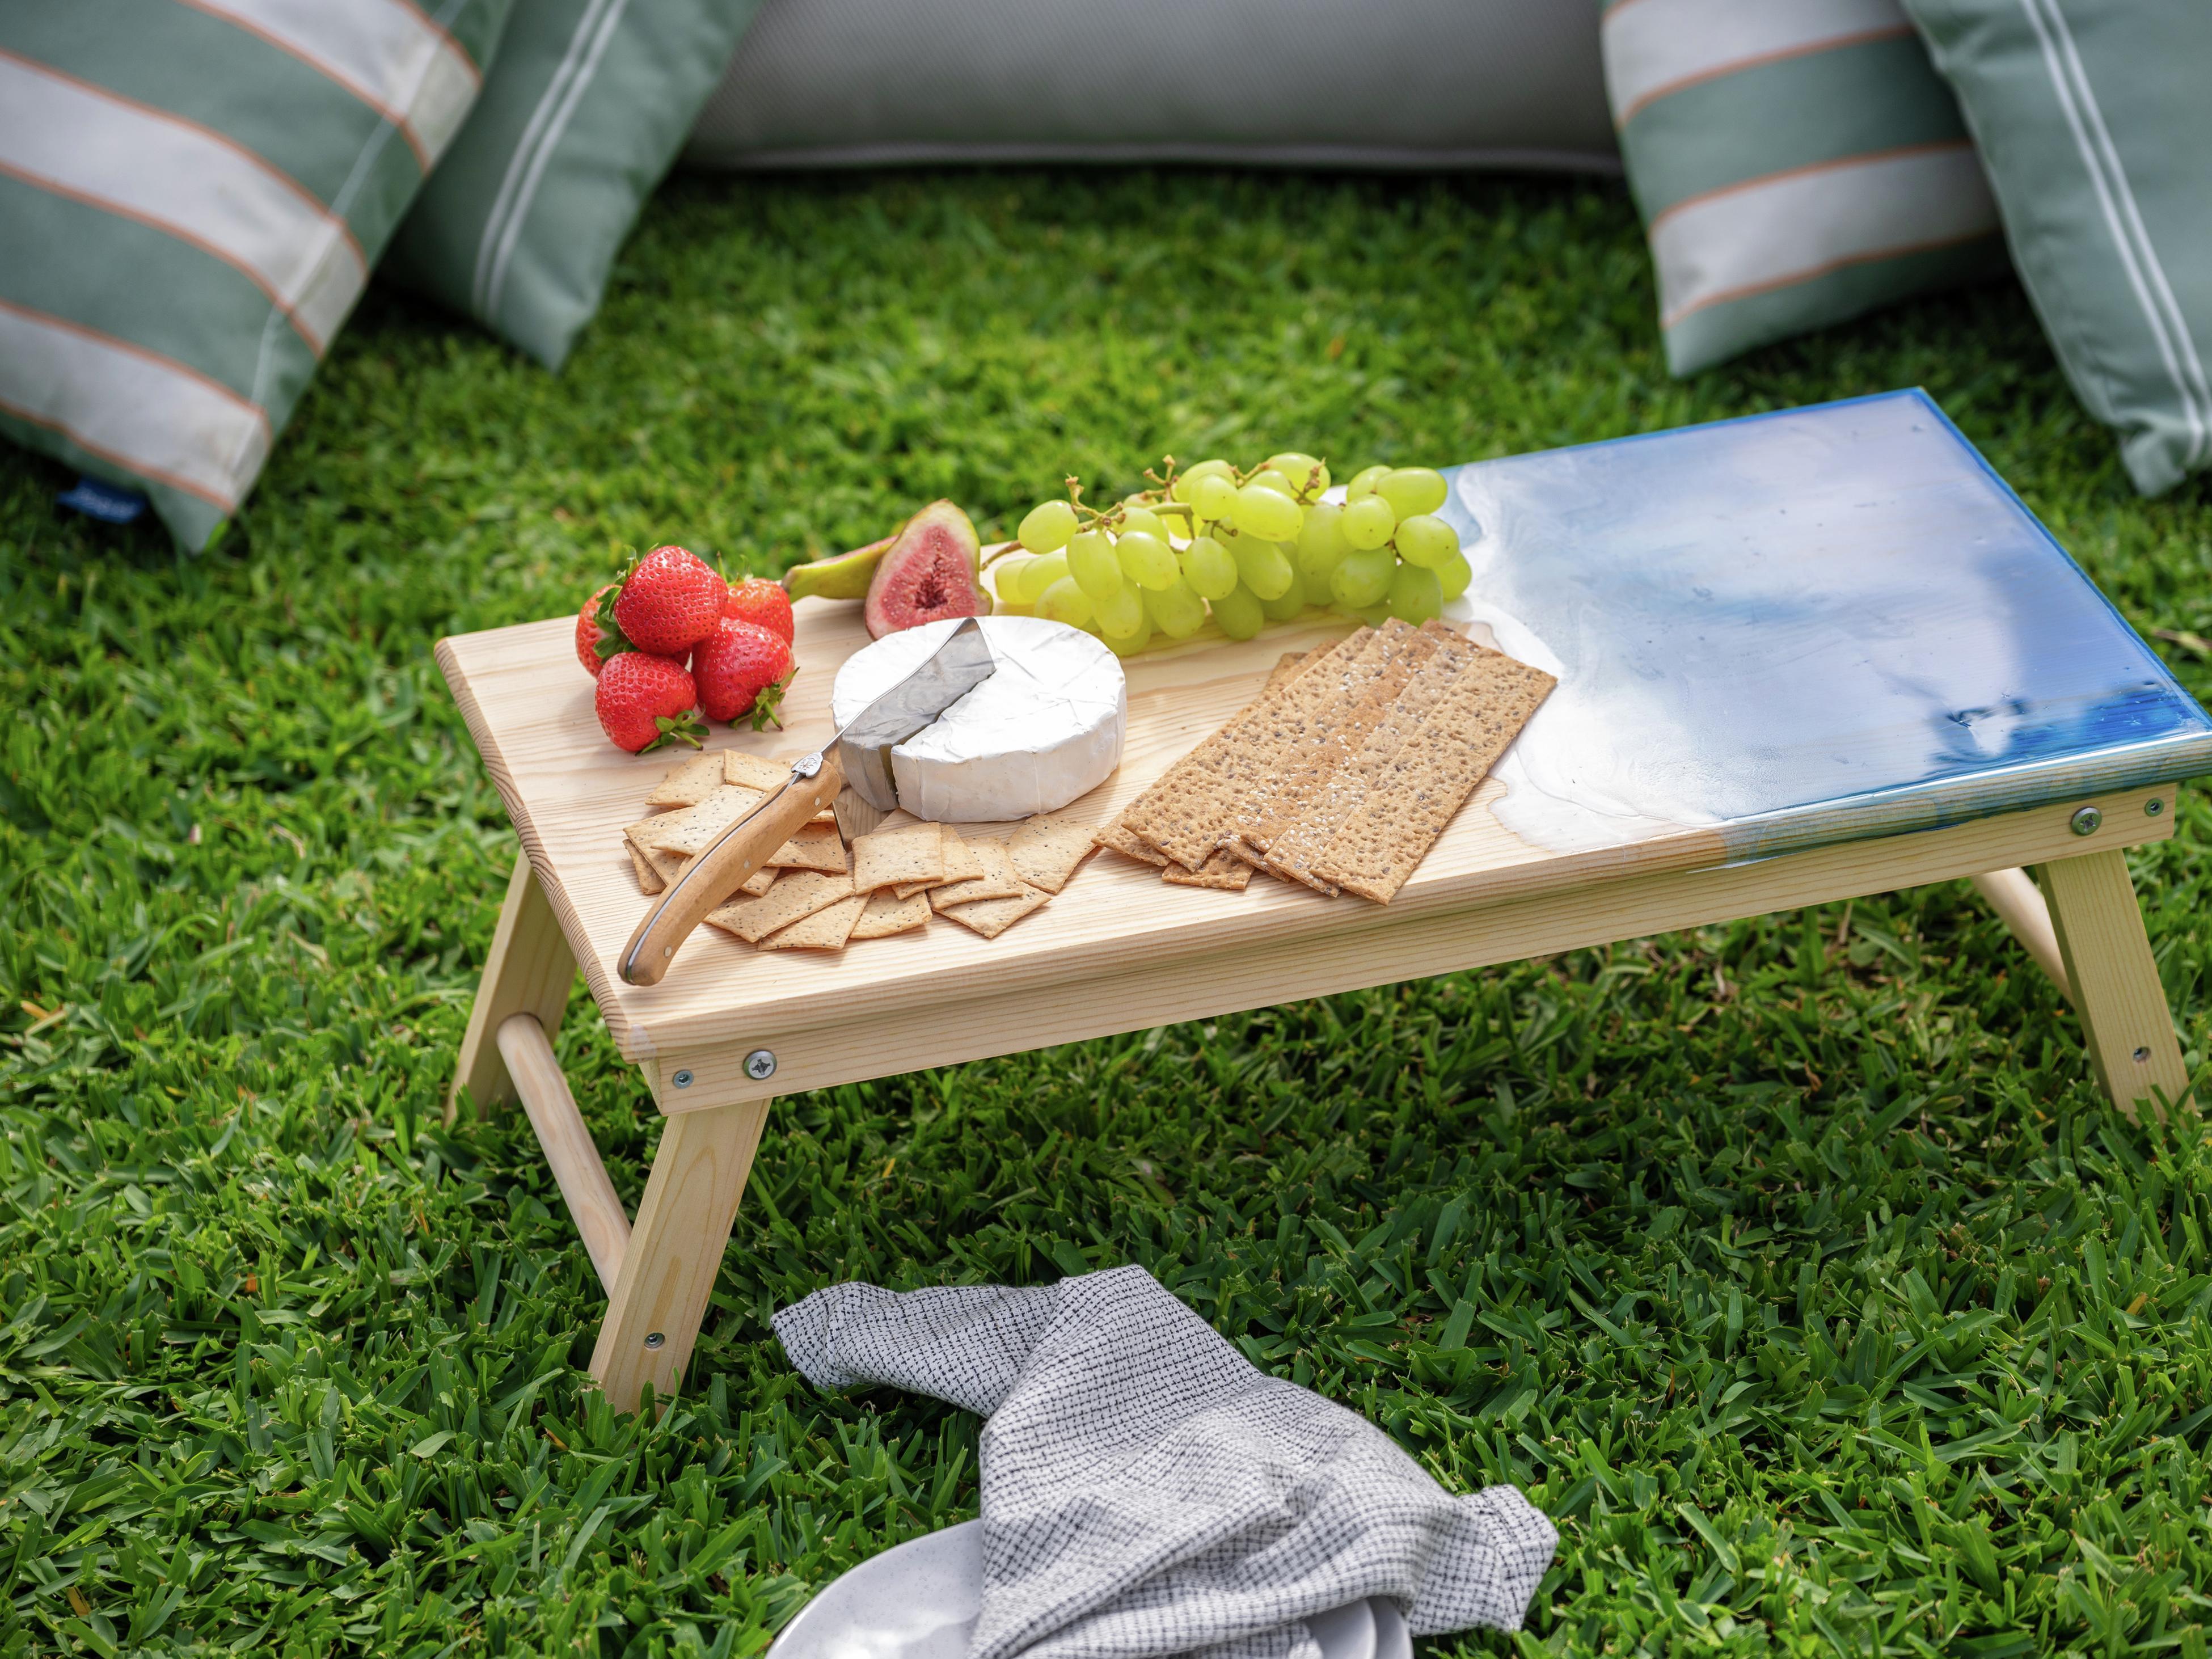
column 1147, row 1492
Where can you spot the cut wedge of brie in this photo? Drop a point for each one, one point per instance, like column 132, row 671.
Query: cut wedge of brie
column 1045, row 728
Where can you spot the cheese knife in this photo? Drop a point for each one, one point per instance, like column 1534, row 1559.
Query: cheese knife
column 851, row 774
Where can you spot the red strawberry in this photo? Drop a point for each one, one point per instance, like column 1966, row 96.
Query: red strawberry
column 740, row 667
column 589, row 633
column 670, row 601
column 762, row 603
column 644, row 701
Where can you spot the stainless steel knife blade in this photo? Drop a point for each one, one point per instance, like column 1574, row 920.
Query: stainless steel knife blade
column 953, row 669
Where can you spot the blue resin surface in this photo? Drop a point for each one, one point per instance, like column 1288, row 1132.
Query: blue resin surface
column 1799, row 626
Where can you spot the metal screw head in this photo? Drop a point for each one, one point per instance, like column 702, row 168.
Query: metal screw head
column 760, row 1065
column 655, row 1340
column 682, row 1080
column 2141, row 1054
column 2153, row 807
column 2085, row 820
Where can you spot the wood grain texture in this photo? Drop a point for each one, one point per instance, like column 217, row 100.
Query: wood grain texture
column 570, row 1151
column 675, row 1251
column 529, row 971
column 1139, row 988
column 2019, row 904
column 2126, row 1023
column 571, row 792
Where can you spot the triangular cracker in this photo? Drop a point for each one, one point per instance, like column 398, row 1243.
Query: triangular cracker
column 1047, row 851
column 827, row 929
column 899, row 856
column 665, row 866
column 648, row 878
column 961, row 864
column 992, row 917
column 998, row 880
column 887, row 914
column 793, row 897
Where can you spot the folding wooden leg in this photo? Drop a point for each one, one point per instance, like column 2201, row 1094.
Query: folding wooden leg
column 530, row 971
column 2019, row 904
column 2129, row 1028
column 675, row 1250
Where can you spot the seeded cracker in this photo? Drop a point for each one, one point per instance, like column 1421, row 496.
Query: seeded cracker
column 1223, row 870
column 1309, row 756
column 754, row 771
column 664, row 866
column 1114, row 839
column 689, row 831
column 998, row 880
column 961, row 864
column 1288, row 667
column 992, row 917
column 792, row 898
column 1187, row 811
column 815, row 847
column 1481, row 711
column 888, row 914
column 1292, row 851
column 648, row 878
column 759, row 881
column 890, row 858
column 687, row 784
column 1047, row 851
column 827, row 929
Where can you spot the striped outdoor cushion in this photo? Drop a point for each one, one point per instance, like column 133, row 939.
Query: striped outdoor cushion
column 2095, row 122
column 582, row 114
column 1797, row 162
column 192, row 193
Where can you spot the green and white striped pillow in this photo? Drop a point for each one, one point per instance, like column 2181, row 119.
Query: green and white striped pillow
column 583, row 113
column 192, row 193
column 2095, row 122
column 1797, row 162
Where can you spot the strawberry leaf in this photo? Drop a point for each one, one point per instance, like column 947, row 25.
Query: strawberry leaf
column 676, row 728
column 764, row 705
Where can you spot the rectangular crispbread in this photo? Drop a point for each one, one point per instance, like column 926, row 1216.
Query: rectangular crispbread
column 1222, row 870
column 1309, row 756
column 1293, row 851
column 998, row 880
column 1047, row 851
column 794, row 898
column 1288, row 667
column 827, row 929
column 689, row 781
column 1188, row 810
column 1419, row 790
column 1112, row 837
column 890, row 858
column 887, row 913
column 992, row 917
column 815, row 847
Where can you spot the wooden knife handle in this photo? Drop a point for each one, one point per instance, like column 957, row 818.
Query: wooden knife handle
column 725, row 864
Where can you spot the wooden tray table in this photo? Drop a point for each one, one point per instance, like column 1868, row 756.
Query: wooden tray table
column 1118, row 949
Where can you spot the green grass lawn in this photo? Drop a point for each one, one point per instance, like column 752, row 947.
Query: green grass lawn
column 1793, row 1266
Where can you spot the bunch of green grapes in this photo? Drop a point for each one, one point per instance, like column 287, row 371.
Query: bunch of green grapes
column 1246, row 549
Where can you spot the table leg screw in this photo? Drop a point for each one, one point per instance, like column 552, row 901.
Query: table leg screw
column 2087, row 820
column 655, row 1340
column 2141, row 1054
column 682, row 1080
column 2153, row 807
column 760, row 1065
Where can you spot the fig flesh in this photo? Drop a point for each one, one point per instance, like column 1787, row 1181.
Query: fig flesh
column 929, row 573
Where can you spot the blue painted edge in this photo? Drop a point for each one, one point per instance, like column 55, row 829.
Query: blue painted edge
column 95, row 498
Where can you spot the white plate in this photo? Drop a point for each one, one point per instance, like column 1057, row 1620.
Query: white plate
column 920, row 1600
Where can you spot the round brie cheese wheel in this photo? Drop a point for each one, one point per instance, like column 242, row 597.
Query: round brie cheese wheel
column 1046, row 727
